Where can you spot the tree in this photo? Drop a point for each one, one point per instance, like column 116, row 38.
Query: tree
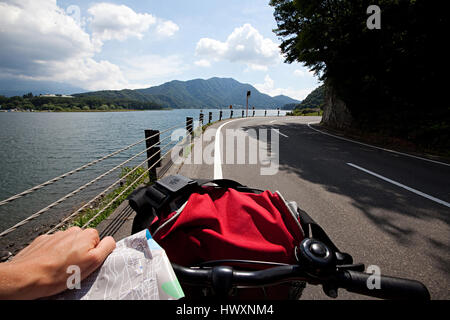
column 3, row 101
column 386, row 77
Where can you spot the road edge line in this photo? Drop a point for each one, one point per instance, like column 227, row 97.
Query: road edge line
column 218, row 173
column 369, row 145
column 398, row 184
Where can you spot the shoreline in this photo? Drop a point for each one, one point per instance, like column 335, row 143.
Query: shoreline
column 82, row 111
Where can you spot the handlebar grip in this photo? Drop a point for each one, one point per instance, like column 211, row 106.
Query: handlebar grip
column 390, row 287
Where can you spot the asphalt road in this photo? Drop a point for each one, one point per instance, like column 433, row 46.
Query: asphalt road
column 385, row 209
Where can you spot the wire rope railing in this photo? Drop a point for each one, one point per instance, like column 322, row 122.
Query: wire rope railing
column 125, row 190
column 73, row 193
column 86, row 205
column 65, row 175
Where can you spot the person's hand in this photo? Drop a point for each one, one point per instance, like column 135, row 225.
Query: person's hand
column 41, row 269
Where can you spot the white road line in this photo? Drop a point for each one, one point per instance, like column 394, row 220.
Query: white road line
column 368, row 145
column 218, row 174
column 420, row 193
column 281, row 134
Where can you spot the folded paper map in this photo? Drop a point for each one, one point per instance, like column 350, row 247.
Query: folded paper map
column 138, row 269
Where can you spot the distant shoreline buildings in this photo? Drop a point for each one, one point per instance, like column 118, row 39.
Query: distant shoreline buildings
column 55, row 96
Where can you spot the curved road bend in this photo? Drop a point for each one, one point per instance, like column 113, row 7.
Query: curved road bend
column 385, row 209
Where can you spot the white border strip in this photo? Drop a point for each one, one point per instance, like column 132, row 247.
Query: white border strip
column 281, row 134
column 420, row 193
column 368, row 145
column 218, row 174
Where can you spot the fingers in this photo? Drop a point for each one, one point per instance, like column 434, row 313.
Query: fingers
column 73, row 230
column 92, row 235
column 86, row 240
column 99, row 254
column 103, row 250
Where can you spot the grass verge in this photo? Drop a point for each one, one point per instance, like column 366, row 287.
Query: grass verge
column 305, row 112
column 88, row 213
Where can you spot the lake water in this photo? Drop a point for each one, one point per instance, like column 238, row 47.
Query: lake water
column 36, row 147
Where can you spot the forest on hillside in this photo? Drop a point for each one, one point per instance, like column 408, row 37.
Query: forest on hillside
column 29, row 102
column 384, row 59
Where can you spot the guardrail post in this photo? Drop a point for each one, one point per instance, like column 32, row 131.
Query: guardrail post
column 220, row 115
column 265, row 113
column 253, row 112
column 201, row 119
column 243, row 113
column 278, row 112
column 231, row 114
column 190, row 125
column 210, row 117
column 153, row 141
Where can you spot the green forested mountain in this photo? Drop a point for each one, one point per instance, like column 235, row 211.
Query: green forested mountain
column 314, row 100
column 211, row 93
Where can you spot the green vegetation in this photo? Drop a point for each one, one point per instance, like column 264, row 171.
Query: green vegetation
column 87, row 214
column 305, row 112
column 392, row 79
column 315, row 101
column 204, row 127
column 29, row 102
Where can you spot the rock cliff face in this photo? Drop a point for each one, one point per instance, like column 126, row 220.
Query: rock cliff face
column 335, row 112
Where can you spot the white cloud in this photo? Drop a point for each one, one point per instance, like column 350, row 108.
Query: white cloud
column 303, row 73
column 88, row 73
column 257, row 67
column 167, row 28
column 203, row 63
column 246, row 45
column 119, row 22
column 268, row 87
column 41, row 42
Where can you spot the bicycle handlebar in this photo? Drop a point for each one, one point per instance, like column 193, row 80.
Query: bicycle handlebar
column 223, row 278
column 389, row 287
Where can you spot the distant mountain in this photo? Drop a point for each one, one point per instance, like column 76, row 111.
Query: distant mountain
column 283, row 100
column 198, row 93
column 20, row 87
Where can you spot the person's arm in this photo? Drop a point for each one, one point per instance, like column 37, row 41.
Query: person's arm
column 40, row 270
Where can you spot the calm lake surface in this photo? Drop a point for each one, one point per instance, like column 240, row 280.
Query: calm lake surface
column 36, row 147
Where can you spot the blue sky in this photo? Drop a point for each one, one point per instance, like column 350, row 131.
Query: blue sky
column 135, row 44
